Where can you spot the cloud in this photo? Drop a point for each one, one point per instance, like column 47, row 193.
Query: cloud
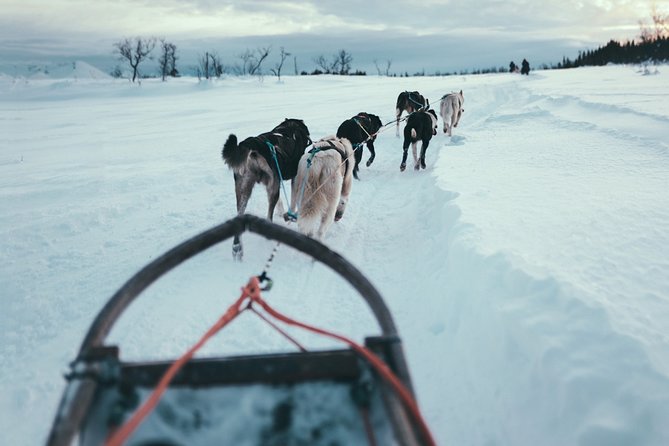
column 228, row 18
column 434, row 34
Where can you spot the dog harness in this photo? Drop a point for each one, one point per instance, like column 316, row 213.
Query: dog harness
column 315, row 150
column 362, row 127
column 457, row 96
column 410, row 97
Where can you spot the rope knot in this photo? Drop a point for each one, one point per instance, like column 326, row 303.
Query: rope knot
column 252, row 288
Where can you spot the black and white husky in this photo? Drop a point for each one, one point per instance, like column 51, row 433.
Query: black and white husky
column 421, row 126
column 451, row 110
column 322, row 185
column 409, row 101
column 267, row 158
column 361, row 128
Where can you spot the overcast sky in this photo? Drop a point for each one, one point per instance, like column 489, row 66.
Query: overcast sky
column 433, row 35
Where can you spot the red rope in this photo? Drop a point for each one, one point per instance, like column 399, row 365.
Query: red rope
column 121, row 435
column 374, row 360
column 252, row 292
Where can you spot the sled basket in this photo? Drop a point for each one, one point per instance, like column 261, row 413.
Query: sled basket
column 331, row 397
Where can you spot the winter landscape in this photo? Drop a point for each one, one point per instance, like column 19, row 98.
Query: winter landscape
column 526, row 267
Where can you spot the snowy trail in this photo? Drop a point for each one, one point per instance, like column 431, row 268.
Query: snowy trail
column 524, row 267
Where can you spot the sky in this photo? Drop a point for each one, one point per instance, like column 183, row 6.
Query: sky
column 525, row 267
column 415, row 35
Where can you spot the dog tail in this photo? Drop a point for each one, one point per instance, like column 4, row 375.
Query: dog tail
column 400, row 102
column 234, row 155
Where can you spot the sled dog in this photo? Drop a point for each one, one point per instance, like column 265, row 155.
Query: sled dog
column 322, row 185
column 409, row 101
column 451, row 110
column 360, row 129
column 267, row 158
column 421, row 126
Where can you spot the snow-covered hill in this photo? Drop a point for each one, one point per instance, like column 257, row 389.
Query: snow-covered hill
column 63, row 70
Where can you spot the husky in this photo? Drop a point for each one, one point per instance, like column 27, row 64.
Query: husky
column 267, row 158
column 322, row 185
column 421, row 125
column 409, row 101
column 361, row 129
column 451, row 110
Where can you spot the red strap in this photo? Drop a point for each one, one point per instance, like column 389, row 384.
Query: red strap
column 374, row 360
column 252, row 292
column 121, row 435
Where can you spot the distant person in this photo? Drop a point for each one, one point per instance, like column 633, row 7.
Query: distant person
column 525, row 67
column 513, row 68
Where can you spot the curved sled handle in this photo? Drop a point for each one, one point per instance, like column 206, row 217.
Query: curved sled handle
column 112, row 310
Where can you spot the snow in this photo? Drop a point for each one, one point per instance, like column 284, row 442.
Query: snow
column 62, row 70
column 526, row 268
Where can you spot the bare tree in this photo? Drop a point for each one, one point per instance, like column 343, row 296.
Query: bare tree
column 660, row 22
column 645, row 33
column 252, row 61
column 295, row 63
column 658, row 30
column 378, row 69
column 209, row 65
column 246, row 57
column 277, row 68
column 168, row 59
column 257, row 59
column 381, row 70
column 322, row 63
column 216, row 66
column 343, row 61
column 135, row 51
column 389, row 62
column 203, row 69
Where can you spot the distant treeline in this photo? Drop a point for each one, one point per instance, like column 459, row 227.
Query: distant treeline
column 651, row 46
column 656, row 50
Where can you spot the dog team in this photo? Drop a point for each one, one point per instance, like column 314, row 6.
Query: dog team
column 321, row 178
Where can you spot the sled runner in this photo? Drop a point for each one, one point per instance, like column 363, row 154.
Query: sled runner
column 352, row 396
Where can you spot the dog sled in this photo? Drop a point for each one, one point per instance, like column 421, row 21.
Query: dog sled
column 360, row 395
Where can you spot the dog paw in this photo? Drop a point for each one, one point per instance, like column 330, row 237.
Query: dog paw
column 402, row 167
column 338, row 216
column 416, row 167
column 237, row 252
column 422, row 163
column 369, row 162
